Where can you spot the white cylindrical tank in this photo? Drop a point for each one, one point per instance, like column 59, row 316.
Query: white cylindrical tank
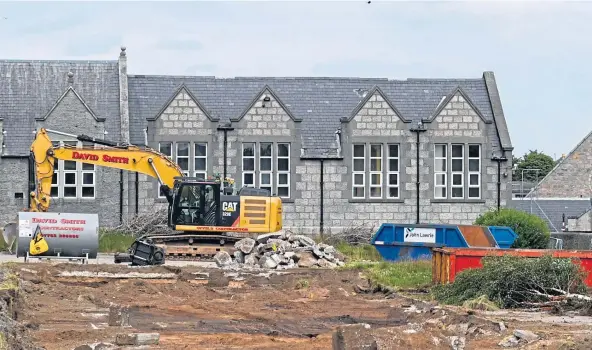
column 66, row 234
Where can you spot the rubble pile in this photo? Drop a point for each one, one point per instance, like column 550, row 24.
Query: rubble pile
column 281, row 251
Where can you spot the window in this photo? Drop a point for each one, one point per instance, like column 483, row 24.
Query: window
column 249, row 164
column 457, row 169
column 265, row 161
column 73, row 179
column 200, row 162
column 440, row 165
column 359, row 171
column 192, row 158
column 474, row 171
column 375, row 170
column 165, row 148
column 183, row 157
column 393, row 171
column 283, row 170
column 459, row 188
column 265, row 166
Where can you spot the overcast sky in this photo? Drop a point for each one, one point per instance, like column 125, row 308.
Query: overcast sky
column 539, row 51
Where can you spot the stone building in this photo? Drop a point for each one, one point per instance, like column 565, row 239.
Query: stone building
column 563, row 198
column 340, row 152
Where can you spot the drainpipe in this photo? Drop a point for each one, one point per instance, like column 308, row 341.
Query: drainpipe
column 137, row 191
column 225, row 127
column 420, row 128
column 121, row 196
column 322, row 221
column 499, row 161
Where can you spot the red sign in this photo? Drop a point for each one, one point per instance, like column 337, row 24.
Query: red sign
column 106, row 158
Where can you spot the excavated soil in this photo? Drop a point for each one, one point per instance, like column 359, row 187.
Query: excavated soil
column 200, row 308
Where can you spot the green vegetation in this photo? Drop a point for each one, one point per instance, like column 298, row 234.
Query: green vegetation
column 112, row 241
column 10, row 282
column 399, row 275
column 533, row 160
column 512, row 281
column 302, row 284
column 359, row 252
column 532, row 231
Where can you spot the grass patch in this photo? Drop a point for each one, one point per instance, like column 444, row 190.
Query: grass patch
column 399, row 275
column 113, row 241
column 302, row 284
column 359, row 252
column 10, row 282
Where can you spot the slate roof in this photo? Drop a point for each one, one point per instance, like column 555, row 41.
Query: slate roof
column 29, row 89
column 319, row 102
column 553, row 209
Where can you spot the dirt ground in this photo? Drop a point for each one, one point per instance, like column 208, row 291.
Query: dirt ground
column 199, row 308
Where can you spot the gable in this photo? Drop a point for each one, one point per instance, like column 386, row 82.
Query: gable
column 30, row 89
column 375, row 115
column 70, row 99
column 183, row 104
column 571, row 177
column 266, row 115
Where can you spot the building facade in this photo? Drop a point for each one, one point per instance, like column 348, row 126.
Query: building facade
column 340, row 152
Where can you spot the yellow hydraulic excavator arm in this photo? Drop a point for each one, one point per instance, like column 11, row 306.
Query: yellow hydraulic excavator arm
column 104, row 153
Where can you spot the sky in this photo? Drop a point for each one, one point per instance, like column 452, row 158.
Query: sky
column 539, row 51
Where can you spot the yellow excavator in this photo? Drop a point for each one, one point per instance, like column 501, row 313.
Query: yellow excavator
column 206, row 217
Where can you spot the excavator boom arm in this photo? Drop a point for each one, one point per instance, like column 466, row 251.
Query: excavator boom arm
column 125, row 157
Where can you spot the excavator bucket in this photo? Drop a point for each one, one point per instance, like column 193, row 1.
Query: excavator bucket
column 9, row 234
column 38, row 244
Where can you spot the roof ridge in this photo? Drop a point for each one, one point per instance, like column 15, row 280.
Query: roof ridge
column 56, row 61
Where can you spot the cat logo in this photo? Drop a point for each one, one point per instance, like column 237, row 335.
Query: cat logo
column 38, row 245
column 229, row 206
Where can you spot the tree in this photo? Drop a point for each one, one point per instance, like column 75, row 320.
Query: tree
column 533, row 160
column 532, row 231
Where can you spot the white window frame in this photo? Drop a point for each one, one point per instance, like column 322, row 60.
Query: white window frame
column 460, row 172
column 358, row 172
column 170, row 156
column 476, row 173
column 247, row 172
column 79, row 172
column 395, row 171
column 268, row 172
column 378, row 172
column 196, row 157
column 283, row 172
column 188, row 156
column 440, row 172
column 84, row 171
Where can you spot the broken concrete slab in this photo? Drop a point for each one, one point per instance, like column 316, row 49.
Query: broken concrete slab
column 222, row 258
column 118, row 316
column 245, row 245
column 354, row 337
column 528, row 336
column 137, row 338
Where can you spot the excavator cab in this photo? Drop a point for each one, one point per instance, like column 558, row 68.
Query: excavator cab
column 195, row 202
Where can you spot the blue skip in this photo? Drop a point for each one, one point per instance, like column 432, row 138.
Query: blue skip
column 397, row 242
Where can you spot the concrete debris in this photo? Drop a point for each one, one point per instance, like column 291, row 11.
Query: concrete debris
column 354, row 336
column 97, row 346
column 526, row 335
column 509, row 342
column 519, row 336
column 281, row 251
column 137, row 339
column 117, row 275
column 457, row 343
column 118, row 316
column 222, row 258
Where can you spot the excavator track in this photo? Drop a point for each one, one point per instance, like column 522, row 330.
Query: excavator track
column 192, row 247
